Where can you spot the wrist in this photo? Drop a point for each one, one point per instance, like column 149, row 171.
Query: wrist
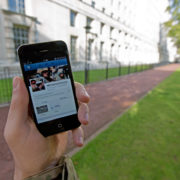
column 21, row 175
column 18, row 175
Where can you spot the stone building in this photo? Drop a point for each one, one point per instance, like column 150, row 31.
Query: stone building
column 94, row 30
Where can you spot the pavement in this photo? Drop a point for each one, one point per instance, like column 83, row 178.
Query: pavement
column 109, row 99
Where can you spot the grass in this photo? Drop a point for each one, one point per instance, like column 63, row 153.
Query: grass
column 5, row 90
column 143, row 144
column 94, row 76
column 100, row 74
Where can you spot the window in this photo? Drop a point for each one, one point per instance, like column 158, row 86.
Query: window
column 21, row 36
column 93, row 4
column 89, row 21
column 111, row 2
column 101, row 28
column 119, row 4
column 119, row 52
column 17, row 6
column 88, row 24
column 73, row 48
column 112, row 15
column 111, row 52
column 111, row 30
column 101, row 51
column 72, row 18
column 103, row 10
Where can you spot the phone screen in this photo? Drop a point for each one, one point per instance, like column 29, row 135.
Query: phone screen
column 50, row 88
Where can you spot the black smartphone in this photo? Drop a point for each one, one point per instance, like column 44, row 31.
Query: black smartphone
column 49, row 81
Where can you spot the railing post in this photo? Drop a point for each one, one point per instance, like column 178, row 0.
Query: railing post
column 119, row 73
column 86, row 73
column 129, row 68
column 151, row 65
column 106, row 70
column 7, row 83
column 136, row 68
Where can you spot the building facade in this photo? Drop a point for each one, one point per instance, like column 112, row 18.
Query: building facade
column 94, row 30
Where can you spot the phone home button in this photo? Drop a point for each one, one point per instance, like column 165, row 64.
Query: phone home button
column 59, row 125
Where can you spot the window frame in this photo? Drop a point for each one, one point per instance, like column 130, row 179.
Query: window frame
column 101, row 50
column 20, row 36
column 93, row 4
column 73, row 50
column 101, row 27
column 17, row 6
column 73, row 15
column 111, row 31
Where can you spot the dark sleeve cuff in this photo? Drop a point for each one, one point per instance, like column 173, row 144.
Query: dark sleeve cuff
column 64, row 170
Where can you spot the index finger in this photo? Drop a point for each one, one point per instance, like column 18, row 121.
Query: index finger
column 81, row 93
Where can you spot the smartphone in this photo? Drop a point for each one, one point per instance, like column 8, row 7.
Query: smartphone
column 48, row 77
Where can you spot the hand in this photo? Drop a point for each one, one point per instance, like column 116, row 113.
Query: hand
column 31, row 151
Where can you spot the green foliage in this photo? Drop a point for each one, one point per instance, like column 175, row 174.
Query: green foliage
column 173, row 24
column 143, row 144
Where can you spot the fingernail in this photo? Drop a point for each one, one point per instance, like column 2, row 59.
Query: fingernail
column 15, row 83
column 86, row 94
column 87, row 117
column 81, row 140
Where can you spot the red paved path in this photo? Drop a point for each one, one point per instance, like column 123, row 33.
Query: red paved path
column 108, row 100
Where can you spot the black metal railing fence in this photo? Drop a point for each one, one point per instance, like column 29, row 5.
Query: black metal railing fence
column 83, row 72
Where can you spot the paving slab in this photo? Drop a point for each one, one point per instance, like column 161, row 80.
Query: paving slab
column 109, row 99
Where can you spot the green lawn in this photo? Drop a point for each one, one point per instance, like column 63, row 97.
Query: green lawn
column 5, row 90
column 94, row 76
column 100, row 74
column 143, row 144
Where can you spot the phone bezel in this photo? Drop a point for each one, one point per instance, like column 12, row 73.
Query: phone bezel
column 54, row 49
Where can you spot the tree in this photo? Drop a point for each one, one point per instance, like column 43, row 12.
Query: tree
column 173, row 24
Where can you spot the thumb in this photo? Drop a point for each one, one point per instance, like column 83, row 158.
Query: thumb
column 18, row 111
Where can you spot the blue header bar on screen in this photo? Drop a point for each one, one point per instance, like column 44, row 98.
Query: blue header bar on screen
column 35, row 66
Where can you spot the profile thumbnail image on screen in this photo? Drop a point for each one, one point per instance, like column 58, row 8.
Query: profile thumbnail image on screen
column 37, row 78
column 37, row 84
